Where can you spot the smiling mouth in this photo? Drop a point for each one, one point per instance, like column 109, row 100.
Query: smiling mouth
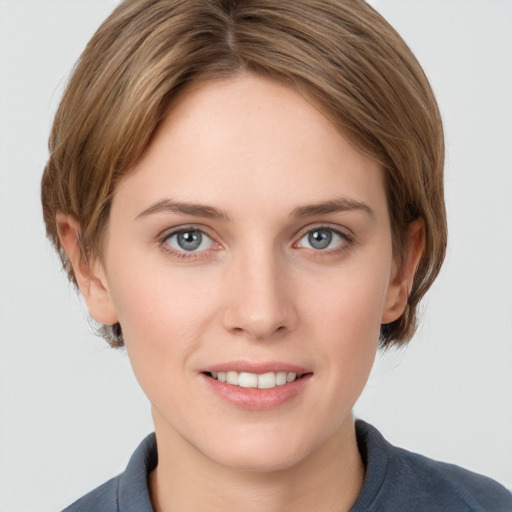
column 267, row 380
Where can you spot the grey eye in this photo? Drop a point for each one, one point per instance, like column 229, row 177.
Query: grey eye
column 189, row 240
column 321, row 239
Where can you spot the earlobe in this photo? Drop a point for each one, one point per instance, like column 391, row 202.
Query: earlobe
column 402, row 278
column 90, row 278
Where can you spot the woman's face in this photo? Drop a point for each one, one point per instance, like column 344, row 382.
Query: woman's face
column 253, row 239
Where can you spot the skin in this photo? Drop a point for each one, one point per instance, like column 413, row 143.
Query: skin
column 256, row 290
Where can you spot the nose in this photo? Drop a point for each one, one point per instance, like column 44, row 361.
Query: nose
column 259, row 293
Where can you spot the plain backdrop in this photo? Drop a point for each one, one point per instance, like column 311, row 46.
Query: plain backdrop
column 71, row 412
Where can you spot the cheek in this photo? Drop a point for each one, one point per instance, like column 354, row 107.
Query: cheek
column 351, row 334
column 147, row 292
column 163, row 320
column 349, row 300
column 344, row 316
column 162, row 313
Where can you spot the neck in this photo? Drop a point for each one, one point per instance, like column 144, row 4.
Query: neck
column 329, row 479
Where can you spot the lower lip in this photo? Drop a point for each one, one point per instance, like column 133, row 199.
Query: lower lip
column 255, row 399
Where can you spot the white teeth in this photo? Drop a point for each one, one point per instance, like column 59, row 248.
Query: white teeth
column 253, row 380
column 232, row 378
column 248, row 380
column 280, row 378
column 291, row 377
column 267, row 380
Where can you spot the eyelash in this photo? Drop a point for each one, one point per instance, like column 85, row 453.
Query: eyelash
column 346, row 240
column 182, row 254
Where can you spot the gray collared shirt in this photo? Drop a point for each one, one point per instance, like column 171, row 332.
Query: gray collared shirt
column 395, row 480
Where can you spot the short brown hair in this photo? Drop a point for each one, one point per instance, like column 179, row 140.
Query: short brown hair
column 341, row 53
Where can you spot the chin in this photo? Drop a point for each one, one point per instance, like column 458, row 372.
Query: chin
column 261, row 452
column 262, row 461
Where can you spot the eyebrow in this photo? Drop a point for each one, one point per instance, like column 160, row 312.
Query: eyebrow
column 342, row 204
column 194, row 209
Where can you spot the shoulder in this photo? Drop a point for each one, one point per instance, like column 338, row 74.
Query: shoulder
column 449, row 485
column 127, row 492
column 103, row 498
column 400, row 480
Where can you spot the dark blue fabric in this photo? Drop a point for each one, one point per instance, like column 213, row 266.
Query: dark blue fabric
column 127, row 492
column 396, row 480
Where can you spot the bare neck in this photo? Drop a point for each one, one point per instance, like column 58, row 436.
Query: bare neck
column 329, row 479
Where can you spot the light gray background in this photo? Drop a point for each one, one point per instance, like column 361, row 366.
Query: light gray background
column 70, row 410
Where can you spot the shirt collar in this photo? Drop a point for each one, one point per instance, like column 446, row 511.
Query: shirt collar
column 133, row 491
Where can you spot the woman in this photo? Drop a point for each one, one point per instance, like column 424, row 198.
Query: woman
column 249, row 196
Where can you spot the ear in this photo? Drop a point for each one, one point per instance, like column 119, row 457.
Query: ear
column 90, row 277
column 401, row 280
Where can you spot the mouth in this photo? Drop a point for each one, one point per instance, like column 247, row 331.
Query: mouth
column 266, row 380
column 257, row 386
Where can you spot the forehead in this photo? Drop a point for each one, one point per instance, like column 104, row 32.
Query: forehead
column 249, row 140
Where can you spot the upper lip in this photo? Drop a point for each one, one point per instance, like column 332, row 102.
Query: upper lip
column 255, row 367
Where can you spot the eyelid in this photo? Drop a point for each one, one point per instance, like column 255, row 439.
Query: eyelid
column 347, row 235
column 344, row 232
column 203, row 239
column 168, row 233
